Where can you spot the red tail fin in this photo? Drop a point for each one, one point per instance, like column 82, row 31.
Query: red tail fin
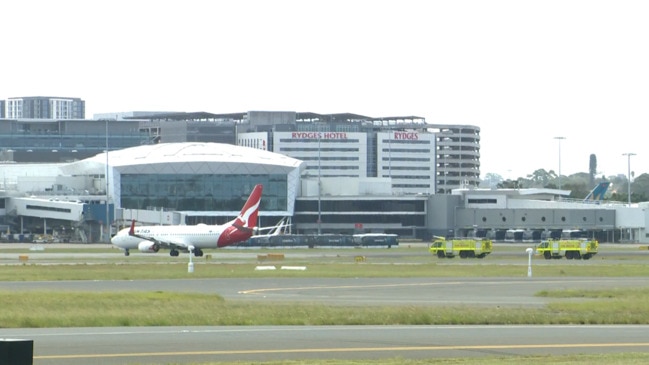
column 248, row 216
column 131, row 232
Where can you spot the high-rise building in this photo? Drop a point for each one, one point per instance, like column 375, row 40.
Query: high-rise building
column 45, row 107
column 417, row 157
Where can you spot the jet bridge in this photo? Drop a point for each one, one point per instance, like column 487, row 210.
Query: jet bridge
column 54, row 208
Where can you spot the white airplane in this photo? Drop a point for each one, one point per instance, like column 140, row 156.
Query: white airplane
column 194, row 238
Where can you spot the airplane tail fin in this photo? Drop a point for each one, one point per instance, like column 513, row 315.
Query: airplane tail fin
column 131, row 232
column 247, row 219
column 597, row 194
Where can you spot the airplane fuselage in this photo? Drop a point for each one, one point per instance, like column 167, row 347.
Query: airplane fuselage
column 180, row 237
column 197, row 236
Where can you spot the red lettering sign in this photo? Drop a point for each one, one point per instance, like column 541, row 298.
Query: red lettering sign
column 321, row 135
column 335, row 135
column 406, row 135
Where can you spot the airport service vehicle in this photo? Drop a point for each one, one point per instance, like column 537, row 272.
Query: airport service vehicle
column 571, row 249
column 465, row 248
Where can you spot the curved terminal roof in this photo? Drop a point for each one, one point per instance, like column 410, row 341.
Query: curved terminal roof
column 188, row 157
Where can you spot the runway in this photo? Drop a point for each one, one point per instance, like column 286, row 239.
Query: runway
column 186, row 345
column 182, row 345
column 178, row 345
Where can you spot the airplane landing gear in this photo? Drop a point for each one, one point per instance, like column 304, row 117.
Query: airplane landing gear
column 198, row 252
column 174, row 253
column 126, row 253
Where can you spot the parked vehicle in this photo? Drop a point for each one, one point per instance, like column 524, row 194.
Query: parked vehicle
column 571, row 249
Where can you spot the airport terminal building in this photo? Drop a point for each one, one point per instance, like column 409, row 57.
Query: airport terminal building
column 170, row 183
column 337, row 173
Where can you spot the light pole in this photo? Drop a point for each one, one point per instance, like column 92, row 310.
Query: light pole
column 319, row 188
column 559, row 139
column 628, row 155
column 107, row 206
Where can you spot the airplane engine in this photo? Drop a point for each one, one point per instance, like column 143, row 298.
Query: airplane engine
column 149, row 247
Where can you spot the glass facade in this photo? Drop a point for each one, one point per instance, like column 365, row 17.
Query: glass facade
column 51, row 140
column 383, row 206
column 80, row 142
column 208, row 192
column 346, row 211
column 404, row 220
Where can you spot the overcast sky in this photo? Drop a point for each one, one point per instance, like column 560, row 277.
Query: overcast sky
column 523, row 71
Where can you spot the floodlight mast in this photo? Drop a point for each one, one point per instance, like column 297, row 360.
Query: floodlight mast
column 628, row 155
column 107, row 206
column 559, row 139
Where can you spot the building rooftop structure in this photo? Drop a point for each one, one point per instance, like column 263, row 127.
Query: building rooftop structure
column 45, row 107
column 457, row 147
column 234, row 159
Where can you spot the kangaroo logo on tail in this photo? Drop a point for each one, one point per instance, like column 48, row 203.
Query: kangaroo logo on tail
column 247, row 219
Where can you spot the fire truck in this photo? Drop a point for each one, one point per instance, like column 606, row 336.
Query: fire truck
column 571, row 249
column 465, row 248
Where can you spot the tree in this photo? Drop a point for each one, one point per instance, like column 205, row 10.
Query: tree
column 540, row 178
column 510, row 184
column 640, row 188
column 578, row 190
column 491, row 180
column 618, row 189
column 580, row 184
column 592, row 169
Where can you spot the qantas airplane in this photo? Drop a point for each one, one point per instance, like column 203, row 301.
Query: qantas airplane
column 190, row 239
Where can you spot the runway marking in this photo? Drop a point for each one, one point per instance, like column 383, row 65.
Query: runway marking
column 345, row 349
column 256, row 291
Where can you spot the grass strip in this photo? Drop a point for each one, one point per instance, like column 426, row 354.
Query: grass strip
column 41, row 309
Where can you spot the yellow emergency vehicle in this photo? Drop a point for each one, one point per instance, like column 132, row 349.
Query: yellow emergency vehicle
column 465, row 248
column 571, row 249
